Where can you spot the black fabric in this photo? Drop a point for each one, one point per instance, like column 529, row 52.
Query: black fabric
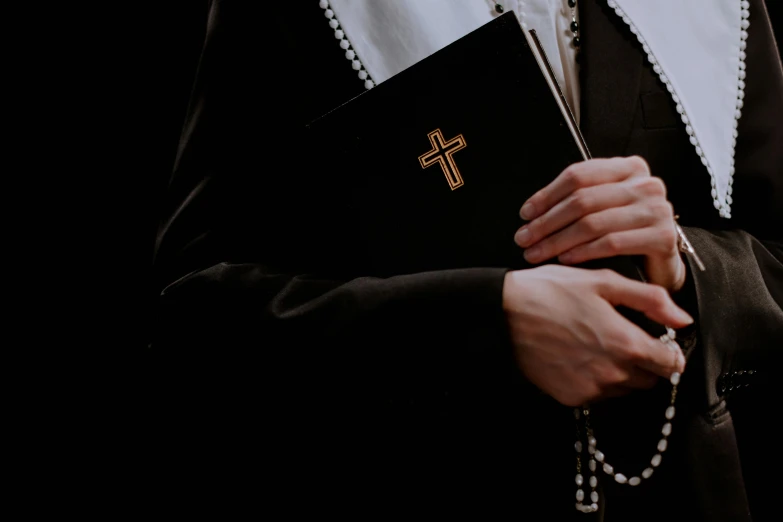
column 362, row 396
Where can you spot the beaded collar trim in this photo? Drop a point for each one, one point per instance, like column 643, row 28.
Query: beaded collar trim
column 709, row 98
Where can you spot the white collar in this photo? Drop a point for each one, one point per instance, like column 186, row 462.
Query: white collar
column 696, row 46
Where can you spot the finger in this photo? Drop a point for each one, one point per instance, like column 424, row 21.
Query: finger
column 577, row 205
column 662, row 358
column 634, row 346
column 652, row 300
column 582, row 175
column 647, row 241
column 588, row 229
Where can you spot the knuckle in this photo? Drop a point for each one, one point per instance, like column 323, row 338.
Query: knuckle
column 574, row 177
column 668, row 237
column 591, row 224
column 612, row 244
column 606, row 276
column 633, row 352
column 659, row 297
column 621, row 341
column 639, row 165
column 653, row 186
column 606, row 378
column 580, row 202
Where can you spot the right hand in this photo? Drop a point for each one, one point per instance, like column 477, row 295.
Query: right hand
column 574, row 345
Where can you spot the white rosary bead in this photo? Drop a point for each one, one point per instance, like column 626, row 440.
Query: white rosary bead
column 591, row 441
column 362, row 74
column 599, row 456
column 675, row 378
column 593, row 481
column 333, row 23
column 579, row 479
column 356, row 64
column 329, row 14
column 594, row 507
column 324, row 4
column 594, row 496
column 670, row 412
column 634, row 481
column 620, row 478
column 591, row 450
column 647, row 473
column 369, row 84
column 667, row 429
column 656, row 460
column 662, row 444
column 592, row 465
column 349, row 54
column 580, row 495
column 339, row 35
column 578, row 446
column 745, row 4
column 344, row 45
column 608, row 469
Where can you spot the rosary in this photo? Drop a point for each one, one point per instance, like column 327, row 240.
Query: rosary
column 586, row 444
column 597, row 457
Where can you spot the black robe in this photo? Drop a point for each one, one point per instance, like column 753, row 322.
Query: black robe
column 360, row 396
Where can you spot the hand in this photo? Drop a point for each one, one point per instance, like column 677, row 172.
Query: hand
column 574, row 345
column 604, row 208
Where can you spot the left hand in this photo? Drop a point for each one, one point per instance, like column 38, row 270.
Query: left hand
column 604, row 208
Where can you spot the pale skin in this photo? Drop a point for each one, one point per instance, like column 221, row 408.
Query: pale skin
column 570, row 341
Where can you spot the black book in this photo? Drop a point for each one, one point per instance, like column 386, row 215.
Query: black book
column 434, row 163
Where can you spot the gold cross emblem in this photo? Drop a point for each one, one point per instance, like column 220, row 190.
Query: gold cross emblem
column 442, row 153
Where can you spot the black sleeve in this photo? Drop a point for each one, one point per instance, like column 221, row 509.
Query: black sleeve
column 253, row 272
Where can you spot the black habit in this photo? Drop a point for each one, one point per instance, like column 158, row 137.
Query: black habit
column 360, row 397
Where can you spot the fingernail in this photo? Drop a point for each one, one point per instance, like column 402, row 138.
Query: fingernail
column 527, row 211
column 531, row 254
column 522, row 236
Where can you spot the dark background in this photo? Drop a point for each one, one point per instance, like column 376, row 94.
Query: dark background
column 158, row 71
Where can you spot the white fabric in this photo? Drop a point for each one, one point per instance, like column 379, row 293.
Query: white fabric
column 695, row 42
column 391, row 35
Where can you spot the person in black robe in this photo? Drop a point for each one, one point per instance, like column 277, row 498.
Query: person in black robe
column 359, row 396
